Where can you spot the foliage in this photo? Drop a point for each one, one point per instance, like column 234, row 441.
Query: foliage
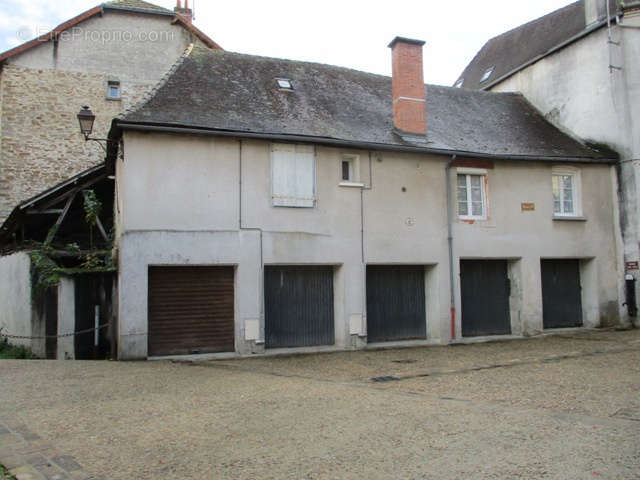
column 8, row 352
column 92, row 262
column 45, row 271
column 92, row 207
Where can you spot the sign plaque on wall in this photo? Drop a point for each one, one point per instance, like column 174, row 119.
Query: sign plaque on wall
column 631, row 265
column 528, row 207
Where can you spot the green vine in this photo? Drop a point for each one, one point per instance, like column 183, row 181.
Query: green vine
column 92, row 207
column 45, row 271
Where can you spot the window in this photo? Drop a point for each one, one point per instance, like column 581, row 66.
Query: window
column 565, row 184
column 284, row 83
column 487, row 73
column 472, row 202
column 459, row 83
column 350, row 170
column 293, row 175
column 113, row 90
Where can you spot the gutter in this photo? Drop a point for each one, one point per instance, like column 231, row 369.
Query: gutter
column 169, row 128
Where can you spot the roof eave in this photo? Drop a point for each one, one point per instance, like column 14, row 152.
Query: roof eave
column 119, row 125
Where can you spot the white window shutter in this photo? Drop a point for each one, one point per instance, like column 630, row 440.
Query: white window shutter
column 292, row 175
column 304, row 176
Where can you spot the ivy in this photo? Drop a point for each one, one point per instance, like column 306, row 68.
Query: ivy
column 45, row 271
column 92, row 207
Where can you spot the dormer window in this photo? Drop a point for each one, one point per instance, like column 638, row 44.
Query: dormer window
column 284, row 84
column 113, row 90
column 487, row 73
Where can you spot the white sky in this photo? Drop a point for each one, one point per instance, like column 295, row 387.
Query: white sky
column 349, row 33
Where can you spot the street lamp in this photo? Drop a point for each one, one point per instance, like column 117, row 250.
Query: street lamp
column 86, row 118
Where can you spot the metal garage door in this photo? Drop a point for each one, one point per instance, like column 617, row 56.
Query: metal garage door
column 395, row 302
column 485, row 290
column 561, row 293
column 298, row 306
column 190, row 310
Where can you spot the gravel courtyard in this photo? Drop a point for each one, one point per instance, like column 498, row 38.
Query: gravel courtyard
column 556, row 407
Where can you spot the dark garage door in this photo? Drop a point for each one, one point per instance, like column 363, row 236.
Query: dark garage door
column 561, row 293
column 190, row 310
column 395, row 303
column 485, row 291
column 298, row 306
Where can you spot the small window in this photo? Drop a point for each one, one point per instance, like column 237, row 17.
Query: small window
column 459, row 83
column 284, row 83
column 566, row 189
column 487, row 73
column 293, row 175
column 472, row 202
column 350, row 169
column 113, row 90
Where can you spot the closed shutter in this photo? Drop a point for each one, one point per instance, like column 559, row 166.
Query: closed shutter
column 485, row 290
column 293, row 175
column 191, row 310
column 395, row 303
column 561, row 293
column 298, row 306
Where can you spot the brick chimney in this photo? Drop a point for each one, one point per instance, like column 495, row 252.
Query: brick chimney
column 407, row 86
column 186, row 13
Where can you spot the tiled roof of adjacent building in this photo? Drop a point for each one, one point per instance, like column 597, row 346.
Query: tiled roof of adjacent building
column 509, row 52
column 138, row 5
column 236, row 94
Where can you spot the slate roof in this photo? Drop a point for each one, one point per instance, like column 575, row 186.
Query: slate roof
column 230, row 92
column 516, row 48
column 137, row 5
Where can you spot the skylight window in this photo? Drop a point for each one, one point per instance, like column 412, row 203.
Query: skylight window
column 284, row 83
column 459, row 83
column 487, row 73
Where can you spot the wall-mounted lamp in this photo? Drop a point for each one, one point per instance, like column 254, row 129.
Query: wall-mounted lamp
column 86, row 118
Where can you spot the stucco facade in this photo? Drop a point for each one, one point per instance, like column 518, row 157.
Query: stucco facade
column 188, row 200
column 591, row 89
column 43, row 88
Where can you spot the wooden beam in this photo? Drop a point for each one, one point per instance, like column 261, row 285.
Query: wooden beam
column 57, row 211
column 52, row 233
column 101, row 228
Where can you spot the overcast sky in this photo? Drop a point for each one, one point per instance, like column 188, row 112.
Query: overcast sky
column 349, row 33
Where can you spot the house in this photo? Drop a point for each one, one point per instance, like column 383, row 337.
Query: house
column 266, row 205
column 578, row 66
column 109, row 57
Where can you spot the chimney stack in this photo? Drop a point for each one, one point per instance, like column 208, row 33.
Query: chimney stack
column 186, row 13
column 407, row 86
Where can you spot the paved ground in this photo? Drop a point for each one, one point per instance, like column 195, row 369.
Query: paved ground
column 562, row 407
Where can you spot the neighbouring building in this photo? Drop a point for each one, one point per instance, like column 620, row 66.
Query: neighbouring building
column 108, row 57
column 292, row 206
column 579, row 67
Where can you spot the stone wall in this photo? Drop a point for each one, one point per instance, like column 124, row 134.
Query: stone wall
column 41, row 142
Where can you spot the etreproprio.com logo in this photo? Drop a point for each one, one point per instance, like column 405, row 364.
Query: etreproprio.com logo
column 25, row 33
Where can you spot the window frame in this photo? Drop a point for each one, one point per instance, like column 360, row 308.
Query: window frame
column 114, row 84
column 576, row 192
column 487, row 74
column 354, row 170
column 468, row 173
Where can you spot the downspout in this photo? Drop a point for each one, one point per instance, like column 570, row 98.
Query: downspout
column 450, row 242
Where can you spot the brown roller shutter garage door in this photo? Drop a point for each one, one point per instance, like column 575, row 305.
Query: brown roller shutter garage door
column 190, row 310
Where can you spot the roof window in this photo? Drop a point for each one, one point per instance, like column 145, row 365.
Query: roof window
column 487, row 73
column 284, row 83
column 459, row 83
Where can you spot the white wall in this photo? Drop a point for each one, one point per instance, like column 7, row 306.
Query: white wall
column 180, row 204
column 15, row 296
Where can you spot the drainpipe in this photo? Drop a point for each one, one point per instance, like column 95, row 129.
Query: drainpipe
column 450, row 242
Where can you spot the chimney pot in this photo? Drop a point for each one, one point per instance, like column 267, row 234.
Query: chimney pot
column 185, row 13
column 407, row 86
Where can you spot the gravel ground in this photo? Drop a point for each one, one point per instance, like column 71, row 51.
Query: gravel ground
column 558, row 407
